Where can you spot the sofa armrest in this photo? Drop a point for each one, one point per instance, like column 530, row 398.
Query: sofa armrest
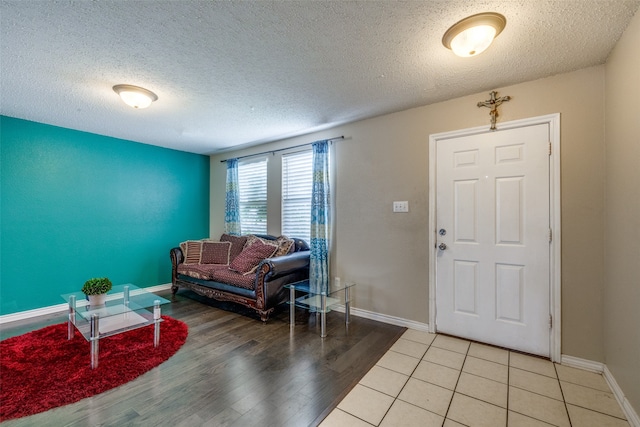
column 275, row 273
column 177, row 257
column 284, row 264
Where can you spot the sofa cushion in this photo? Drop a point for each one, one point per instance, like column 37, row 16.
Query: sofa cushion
column 250, row 257
column 217, row 273
column 224, row 275
column 237, row 244
column 198, row 271
column 285, row 246
column 191, row 249
column 215, row 253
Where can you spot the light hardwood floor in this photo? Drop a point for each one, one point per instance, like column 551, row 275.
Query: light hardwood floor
column 232, row 371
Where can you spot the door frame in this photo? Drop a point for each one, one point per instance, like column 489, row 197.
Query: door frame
column 555, row 276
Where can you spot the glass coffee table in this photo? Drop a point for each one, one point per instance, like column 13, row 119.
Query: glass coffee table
column 320, row 302
column 126, row 309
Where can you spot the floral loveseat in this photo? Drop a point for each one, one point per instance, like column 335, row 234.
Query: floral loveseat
column 250, row 270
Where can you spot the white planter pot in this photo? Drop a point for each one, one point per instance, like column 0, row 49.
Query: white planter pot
column 97, row 300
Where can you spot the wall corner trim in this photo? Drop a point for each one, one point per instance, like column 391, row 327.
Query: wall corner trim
column 601, row 368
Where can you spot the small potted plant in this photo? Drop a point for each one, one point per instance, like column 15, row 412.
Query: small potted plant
column 96, row 290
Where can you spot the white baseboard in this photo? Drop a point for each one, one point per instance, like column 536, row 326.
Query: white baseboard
column 601, row 368
column 384, row 318
column 52, row 309
column 587, row 365
column 629, row 412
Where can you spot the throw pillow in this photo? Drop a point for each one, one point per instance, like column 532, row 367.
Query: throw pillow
column 191, row 249
column 285, row 246
column 237, row 244
column 215, row 253
column 252, row 238
column 248, row 260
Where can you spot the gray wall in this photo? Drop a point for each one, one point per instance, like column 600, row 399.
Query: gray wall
column 386, row 158
column 622, row 212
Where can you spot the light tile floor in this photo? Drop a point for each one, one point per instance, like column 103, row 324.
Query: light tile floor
column 434, row 380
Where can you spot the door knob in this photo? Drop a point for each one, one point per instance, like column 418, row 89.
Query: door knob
column 442, row 246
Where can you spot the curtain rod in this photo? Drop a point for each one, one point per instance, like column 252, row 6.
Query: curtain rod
column 283, row 149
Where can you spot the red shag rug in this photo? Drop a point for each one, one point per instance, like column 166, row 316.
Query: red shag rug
column 42, row 370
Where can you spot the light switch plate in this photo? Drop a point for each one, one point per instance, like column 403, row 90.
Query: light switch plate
column 401, row 206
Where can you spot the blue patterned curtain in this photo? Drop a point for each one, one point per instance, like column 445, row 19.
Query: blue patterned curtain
column 232, row 199
column 320, row 219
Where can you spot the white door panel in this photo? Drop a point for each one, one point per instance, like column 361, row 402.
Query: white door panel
column 492, row 201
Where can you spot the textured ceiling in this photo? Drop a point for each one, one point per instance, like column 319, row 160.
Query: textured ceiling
column 231, row 73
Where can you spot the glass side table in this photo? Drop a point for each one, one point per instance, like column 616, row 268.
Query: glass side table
column 339, row 293
column 126, row 309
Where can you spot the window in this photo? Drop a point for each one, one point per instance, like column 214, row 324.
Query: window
column 252, row 180
column 297, row 181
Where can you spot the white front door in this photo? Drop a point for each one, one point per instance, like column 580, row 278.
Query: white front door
column 493, row 234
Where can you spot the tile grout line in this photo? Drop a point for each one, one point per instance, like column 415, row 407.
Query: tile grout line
column 508, row 383
column 534, row 372
column 557, row 378
column 585, row 407
column 394, row 397
column 414, row 369
column 586, row 386
column 597, row 412
column 466, row 354
column 350, row 414
column 409, row 377
column 609, row 391
column 564, row 400
column 536, row 393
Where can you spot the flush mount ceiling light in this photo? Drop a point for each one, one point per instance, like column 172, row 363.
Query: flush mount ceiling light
column 474, row 34
column 136, row 97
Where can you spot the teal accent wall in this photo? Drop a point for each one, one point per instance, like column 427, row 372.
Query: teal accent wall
column 75, row 205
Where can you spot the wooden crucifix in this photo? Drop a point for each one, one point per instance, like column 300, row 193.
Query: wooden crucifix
column 493, row 103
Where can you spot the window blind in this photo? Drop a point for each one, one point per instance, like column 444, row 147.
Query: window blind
column 252, row 180
column 297, row 177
